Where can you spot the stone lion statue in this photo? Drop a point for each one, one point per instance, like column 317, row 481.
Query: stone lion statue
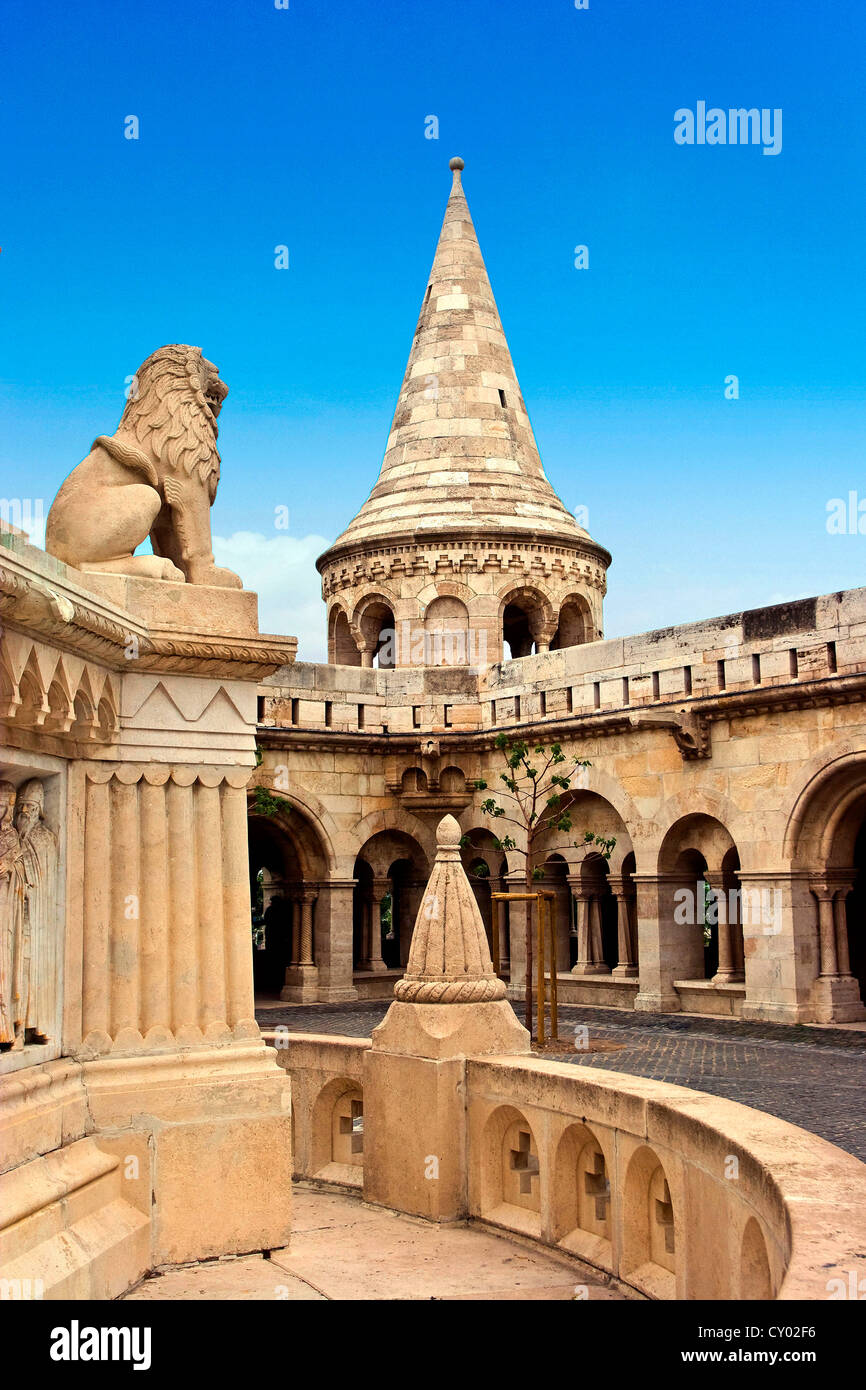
column 155, row 476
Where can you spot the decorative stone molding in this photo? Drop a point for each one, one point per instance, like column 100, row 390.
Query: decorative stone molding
column 47, row 691
column 690, row 729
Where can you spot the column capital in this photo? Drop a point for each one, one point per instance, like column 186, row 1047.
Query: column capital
column 620, row 886
column 823, row 888
column 717, row 879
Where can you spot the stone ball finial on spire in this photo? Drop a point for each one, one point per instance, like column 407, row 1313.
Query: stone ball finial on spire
column 448, row 833
column 456, row 164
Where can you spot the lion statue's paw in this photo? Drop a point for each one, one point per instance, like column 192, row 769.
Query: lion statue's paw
column 218, row 577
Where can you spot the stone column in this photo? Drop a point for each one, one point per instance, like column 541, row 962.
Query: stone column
column 835, row 993
column 414, row 889
column 669, row 949
column 588, row 930
column 499, row 911
column 515, row 882
column 295, row 947
column 625, row 964
column 595, row 938
column 727, row 971
column 843, row 957
column 381, row 886
column 561, row 909
column 825, row 892
column 333, row 941
column 302, row 976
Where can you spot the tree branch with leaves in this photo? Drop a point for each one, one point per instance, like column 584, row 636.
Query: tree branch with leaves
column 538, row 784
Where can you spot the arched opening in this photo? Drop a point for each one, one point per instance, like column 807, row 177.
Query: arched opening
column 594, row 936
column 391, row 872
column 854, row 923
column 527, row 624
column 446, row 632
column 827, row 841
column 453, row 780
column 575, row 624
column 380, row 636
column 597, row 919
column 413, row 781
column 342, row 648
column 486, row 871
column 565, row 927
column 287, row 872
column 699, row 901
column 516, row 632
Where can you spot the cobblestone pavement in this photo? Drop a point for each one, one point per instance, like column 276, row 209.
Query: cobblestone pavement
column 813, row 1077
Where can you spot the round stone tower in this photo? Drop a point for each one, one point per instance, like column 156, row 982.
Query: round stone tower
column 462, row 554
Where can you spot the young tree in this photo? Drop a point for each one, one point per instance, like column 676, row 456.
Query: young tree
column 537, row 781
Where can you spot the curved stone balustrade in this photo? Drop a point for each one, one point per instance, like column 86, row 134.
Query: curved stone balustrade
column 672, row 1192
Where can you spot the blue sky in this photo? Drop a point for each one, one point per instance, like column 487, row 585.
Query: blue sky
column 306, row 127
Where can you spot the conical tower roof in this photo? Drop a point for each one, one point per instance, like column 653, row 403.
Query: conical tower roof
column 461, row 458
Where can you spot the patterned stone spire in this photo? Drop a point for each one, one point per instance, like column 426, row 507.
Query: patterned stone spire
column 461, row 456
column 462, row 541
column 449, row 960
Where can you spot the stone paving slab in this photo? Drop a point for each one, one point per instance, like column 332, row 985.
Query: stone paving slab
column 250, row 1278
column 344, row 1250
column 349, row 1251
column 812, row 1077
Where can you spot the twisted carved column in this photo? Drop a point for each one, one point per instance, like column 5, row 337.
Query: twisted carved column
column 308, row 898
column 843, row 957
column 825, row 892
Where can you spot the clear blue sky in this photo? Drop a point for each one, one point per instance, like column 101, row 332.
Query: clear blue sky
column 306, row 127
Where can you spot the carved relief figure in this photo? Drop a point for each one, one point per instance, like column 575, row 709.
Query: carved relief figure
column 11, row 912
column 156, row 476
column 34, row 949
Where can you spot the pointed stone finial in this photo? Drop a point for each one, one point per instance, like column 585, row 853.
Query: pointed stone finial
column 456, row 164
column 449, row 960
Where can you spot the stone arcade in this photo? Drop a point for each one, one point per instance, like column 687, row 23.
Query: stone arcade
column 162, row 758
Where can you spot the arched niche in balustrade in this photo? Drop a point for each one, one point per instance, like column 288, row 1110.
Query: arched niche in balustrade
column 581, row 1197
column 651, row 1226
column 756, row 1280
column 511, row 1172
column 337, row 1132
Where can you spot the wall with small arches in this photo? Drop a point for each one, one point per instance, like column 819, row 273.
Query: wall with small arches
column 671, row 1193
